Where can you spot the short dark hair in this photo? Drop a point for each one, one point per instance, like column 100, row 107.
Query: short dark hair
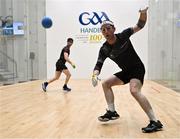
column 70, row 40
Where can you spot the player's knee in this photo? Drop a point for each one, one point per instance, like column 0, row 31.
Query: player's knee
column 106, row 84
column 56, row 78
column 69, row 75
column 103, row 84
column 134, row 91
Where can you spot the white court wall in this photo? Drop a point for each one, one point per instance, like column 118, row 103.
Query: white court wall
column 65, row 15
column 163, row 51
column 23, row 57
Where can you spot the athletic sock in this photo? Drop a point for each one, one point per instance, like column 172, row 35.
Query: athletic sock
column 111, row 107
column 151, row 115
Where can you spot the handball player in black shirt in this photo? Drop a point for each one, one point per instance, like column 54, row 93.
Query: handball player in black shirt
column 61, row 67
column 119, row 49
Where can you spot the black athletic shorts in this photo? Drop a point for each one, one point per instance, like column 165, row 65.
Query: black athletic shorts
column 136, row 72
column 60, row 66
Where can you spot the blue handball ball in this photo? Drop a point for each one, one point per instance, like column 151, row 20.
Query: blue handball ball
column 46, row 22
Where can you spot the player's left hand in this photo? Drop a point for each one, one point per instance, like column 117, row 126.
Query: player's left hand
column 143, row 10
column 73, row 65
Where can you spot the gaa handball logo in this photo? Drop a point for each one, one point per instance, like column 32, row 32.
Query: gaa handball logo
column 93, row 18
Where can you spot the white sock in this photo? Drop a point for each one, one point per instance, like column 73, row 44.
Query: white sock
column 151, row 115
column 111, row 107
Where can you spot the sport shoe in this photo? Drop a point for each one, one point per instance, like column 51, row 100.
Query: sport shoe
column 65, row 88
column 109, row 115
column 44, row 85
column 152, row 127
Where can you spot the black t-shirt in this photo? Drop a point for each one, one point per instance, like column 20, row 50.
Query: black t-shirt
column 121, row 52
column 61, row 58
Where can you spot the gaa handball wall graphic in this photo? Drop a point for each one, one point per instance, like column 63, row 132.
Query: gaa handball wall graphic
column 90, row 22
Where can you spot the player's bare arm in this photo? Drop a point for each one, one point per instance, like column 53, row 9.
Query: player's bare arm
column 142, row 20
column 66, row 57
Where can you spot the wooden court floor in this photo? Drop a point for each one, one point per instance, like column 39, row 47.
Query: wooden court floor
column 27, row 112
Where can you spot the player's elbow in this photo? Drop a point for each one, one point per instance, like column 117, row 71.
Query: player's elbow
column 66, row 58
column 136, row 29
column 141, row 24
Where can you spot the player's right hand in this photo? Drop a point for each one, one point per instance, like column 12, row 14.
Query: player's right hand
column 94, row 80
